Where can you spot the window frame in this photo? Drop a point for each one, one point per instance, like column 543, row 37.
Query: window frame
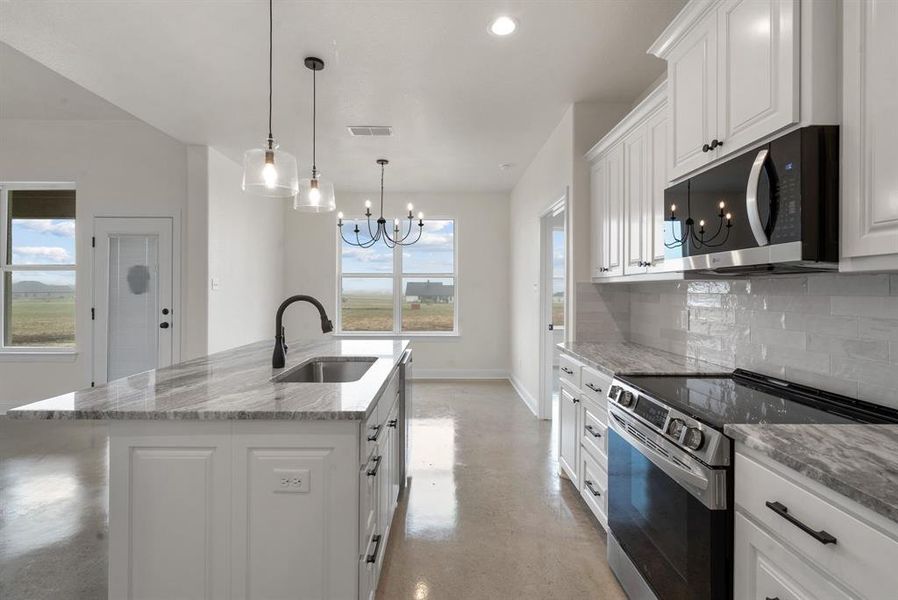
column 397, row 276
column 25, row 352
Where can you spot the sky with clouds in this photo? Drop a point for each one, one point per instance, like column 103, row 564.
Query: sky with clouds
column 43, row 242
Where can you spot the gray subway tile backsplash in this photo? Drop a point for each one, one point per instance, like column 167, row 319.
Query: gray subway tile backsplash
column 838, row 332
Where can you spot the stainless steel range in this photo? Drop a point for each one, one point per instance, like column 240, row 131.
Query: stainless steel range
column 670, row 476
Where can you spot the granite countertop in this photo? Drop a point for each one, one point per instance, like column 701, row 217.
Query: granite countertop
column 857, row 461
column 627, row 358
column 235, row 384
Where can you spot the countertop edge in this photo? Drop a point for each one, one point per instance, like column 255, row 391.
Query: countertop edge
column 593, row 363
column 743, row 434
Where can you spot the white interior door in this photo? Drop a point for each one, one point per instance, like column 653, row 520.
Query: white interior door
column 553, row 302
column 133, row 312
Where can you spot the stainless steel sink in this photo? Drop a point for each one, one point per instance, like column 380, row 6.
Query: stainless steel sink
column 327, row 370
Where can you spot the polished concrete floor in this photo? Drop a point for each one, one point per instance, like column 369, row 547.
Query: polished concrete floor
column 485, row 514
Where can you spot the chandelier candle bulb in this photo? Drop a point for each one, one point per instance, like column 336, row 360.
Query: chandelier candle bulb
column 673, row 212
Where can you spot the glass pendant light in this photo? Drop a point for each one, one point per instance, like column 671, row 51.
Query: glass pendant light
column 315, row 194
column 268, row 171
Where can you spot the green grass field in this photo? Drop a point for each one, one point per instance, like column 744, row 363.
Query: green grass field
column 374, row 312
column 42, row 322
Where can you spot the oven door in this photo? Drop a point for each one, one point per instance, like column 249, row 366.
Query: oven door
column 668, row 512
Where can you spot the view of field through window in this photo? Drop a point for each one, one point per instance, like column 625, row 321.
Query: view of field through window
column 39, row 269
column 424, row 274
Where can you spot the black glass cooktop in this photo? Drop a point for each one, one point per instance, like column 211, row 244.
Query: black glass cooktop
column 748, row 398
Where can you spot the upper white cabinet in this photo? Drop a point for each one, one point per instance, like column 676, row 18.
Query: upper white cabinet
column 869, row 128
column 628, row 177
column 733, row 70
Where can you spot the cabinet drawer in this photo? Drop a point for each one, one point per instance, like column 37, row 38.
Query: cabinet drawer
column 593, row 487
column 858, row 556
column 594, row 436
column 569, row 370
column 764, row 568
column 595, row 384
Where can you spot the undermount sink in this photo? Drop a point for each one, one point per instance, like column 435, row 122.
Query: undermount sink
column 328, row 370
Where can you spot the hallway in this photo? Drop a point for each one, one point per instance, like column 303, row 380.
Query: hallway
column 486, row 515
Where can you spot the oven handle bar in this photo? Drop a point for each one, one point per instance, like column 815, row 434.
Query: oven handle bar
column 697, row 485
column 751, row 199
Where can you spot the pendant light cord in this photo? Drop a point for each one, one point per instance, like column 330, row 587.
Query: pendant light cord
column 382, row 190
column 314, row 119
column 270, row 70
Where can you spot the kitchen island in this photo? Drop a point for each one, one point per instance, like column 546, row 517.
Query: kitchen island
column 225, row 481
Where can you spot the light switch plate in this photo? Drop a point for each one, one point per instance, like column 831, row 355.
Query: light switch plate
column 291, row 481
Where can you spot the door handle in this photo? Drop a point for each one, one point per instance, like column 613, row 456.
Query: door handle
column 551, row 327
column 372, row 437
column 566, row 370
column 821, row 536
column 597, row 390
column 372, row 558
column 593, row 432
column 163, row 325
column 751, row 199
column 373, row 471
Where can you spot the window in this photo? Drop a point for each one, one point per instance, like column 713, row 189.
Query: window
column 37, row 264
column 399, row 291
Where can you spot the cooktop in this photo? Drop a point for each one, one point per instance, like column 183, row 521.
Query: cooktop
column 748, row 398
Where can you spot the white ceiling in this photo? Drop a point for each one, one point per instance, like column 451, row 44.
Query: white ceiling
column 460, row 100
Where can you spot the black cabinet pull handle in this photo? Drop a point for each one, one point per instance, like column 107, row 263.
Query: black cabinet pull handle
column 593, row 432
column 392, row 423
column 574, row 399
column 594, row 491
column 566, row 370
column 372, row 558
column 373, row 436
column 373, row 472
column 594, row 388
column 769, row 598
column 821, row 536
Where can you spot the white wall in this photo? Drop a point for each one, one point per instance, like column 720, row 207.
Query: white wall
column 558, row 166
column 246, row 258
column 121, row 168
column 481, row 349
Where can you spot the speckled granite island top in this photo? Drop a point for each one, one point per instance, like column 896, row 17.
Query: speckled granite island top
column 235, row 384
column 627, row 358
column 857, row 461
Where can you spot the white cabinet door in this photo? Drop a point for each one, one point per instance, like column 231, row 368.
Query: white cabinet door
column 869, row 130
column 598, row 192
column 692, row 92
column 614, row 212
column 654, row 208
column 635, row 193
column 568, row 434
column 757, row 81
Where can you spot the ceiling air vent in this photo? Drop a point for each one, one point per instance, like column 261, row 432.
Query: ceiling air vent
column 370, row 130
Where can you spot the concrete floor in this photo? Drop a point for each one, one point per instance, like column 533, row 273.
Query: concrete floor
column 485, row 515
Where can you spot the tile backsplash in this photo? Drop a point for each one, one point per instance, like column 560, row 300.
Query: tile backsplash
column 832, row 331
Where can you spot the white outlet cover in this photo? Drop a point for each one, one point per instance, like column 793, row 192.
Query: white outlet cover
column 291, row 481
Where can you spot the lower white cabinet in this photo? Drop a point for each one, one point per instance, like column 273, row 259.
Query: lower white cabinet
column 795, row 539
column 568, row 432
column 252, row 509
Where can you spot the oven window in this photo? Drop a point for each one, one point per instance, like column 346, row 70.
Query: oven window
column 680, row 546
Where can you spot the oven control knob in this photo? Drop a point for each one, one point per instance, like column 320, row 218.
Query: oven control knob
column 625, row 399
column 694, row 438
column 675, row 428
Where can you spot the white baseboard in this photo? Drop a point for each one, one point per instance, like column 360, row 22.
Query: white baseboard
column 529, row 400
column 419, row 373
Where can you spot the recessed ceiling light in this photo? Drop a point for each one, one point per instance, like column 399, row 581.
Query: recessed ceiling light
column 506, row 166
column 503, row 26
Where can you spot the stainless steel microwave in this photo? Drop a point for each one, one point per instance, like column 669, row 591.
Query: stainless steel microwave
column 774, row 208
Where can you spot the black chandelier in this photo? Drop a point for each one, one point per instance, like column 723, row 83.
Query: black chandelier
column 383, row 232
column 700, row 238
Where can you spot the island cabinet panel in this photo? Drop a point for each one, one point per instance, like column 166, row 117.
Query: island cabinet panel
column 169, row 511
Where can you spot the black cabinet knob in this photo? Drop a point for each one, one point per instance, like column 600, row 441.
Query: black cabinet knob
column 715, row 143
column 163, row 325
column 706, row 148
column 164, row 311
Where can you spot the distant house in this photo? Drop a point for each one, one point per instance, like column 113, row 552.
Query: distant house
column 429, row 292
column 36, row 289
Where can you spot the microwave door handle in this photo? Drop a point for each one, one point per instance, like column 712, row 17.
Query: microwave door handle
column 751, row 199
